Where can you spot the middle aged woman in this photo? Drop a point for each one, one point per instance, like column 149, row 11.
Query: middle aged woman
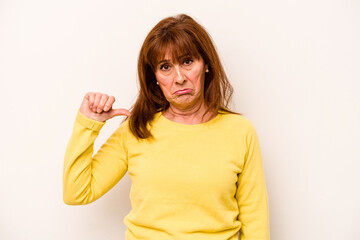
column 195, row 166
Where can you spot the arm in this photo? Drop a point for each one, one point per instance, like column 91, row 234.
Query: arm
column 86, row 177
column 251, row 193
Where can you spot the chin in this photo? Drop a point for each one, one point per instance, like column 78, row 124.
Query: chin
column 184, row 104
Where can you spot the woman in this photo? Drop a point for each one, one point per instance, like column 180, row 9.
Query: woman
column 196, row 167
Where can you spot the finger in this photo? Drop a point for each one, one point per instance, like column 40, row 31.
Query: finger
column 120, row 112
column 87, row 95
column 96, row 101
column 91, row 96
column 109, row 103
column 103, row 100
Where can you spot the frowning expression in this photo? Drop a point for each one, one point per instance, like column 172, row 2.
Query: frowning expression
column 181, row 80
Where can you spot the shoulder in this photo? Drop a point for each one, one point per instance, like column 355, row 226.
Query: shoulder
column 236, row 121
column 239, row 128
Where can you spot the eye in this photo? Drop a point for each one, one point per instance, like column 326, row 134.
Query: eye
column 188, row 61
column 165, row 67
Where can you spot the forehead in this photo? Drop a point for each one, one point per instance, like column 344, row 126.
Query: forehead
column 174, row 54
column 169, row 51
column 173, row 57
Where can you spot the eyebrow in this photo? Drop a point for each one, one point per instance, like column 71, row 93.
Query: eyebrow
column 168, row 60
column 163, row 61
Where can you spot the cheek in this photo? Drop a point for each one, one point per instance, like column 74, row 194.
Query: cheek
column 196, row 77
column 160, row 78
column 164, row 83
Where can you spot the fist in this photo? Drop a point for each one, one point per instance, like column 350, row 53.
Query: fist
column 98, row 106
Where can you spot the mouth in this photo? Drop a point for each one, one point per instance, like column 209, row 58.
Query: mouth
column 183, row 91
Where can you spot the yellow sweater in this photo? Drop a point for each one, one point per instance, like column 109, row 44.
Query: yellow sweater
column 198, row 182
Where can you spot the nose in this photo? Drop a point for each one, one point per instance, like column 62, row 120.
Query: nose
column 179, row 76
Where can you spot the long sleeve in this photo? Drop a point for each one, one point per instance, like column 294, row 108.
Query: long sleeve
column 252, row 194
column 86, row 177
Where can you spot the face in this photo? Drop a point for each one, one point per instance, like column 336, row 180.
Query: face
column 181, row 81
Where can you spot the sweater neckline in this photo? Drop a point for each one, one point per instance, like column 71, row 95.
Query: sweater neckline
column 163, row 120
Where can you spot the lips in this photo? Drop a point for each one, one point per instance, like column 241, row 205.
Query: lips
column 183, row 91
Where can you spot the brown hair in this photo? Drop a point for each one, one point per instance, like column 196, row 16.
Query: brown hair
column 181, row 34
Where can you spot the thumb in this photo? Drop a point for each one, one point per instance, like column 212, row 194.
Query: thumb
column 120, row 112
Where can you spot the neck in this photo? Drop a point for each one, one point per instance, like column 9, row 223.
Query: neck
column 192, row 115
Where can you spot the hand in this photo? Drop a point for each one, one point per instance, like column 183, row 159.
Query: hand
column 98, row 106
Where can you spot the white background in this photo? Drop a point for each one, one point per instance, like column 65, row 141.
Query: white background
column 295, row 69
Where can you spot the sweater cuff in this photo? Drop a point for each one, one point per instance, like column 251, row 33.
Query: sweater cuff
column 88, row 122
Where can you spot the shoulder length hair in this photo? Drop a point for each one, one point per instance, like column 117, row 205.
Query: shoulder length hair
column 181, row 35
